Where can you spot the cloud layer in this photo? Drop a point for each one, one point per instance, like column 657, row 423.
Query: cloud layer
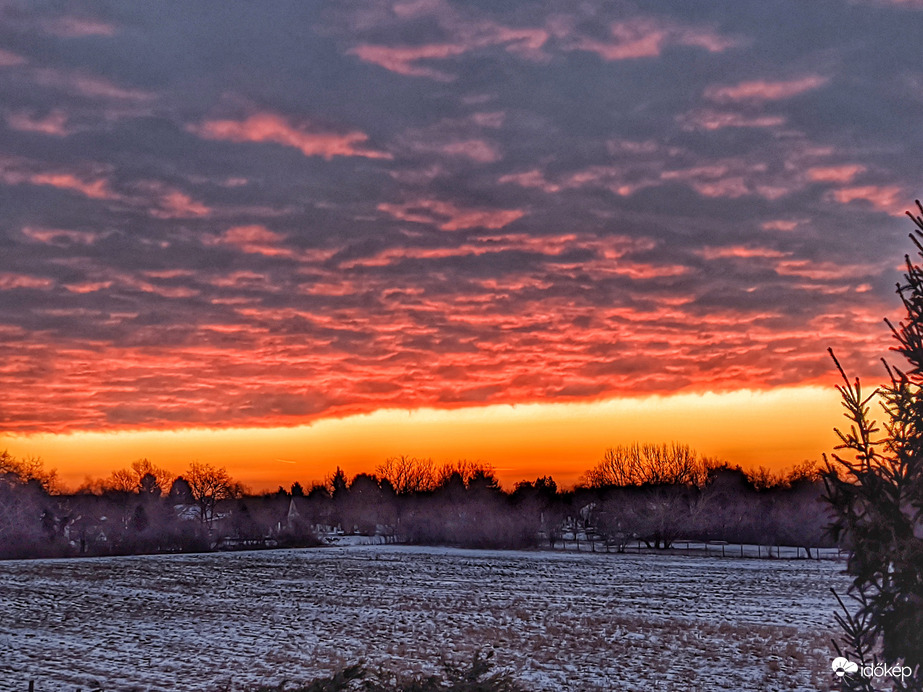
column 266, row 216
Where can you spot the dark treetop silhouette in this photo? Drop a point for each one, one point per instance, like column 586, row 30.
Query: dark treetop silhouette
column 876, row 490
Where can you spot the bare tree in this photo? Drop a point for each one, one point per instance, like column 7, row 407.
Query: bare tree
column 763, row 478
column 28, row 469
column 149, row 476
column 620, row 466
column 408, row 474
column 643, row 464
column 142, row 476
column 208, row 486
column 466, row 469
column 120, row 480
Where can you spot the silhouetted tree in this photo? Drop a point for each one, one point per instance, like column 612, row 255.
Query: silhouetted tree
column 465, row 469
column 339, row 484
column 28, row 469
column 537, row 506
column 141, row 476
column 363, row 508
column 799, row 516
column 731, row 508
column 27, row 522
column 149, row 486
column 763, row 478
column 408, row 474
column 208, row 486
column 120, row 480
column 640, row 464
column 875, row 488
column 180, row 492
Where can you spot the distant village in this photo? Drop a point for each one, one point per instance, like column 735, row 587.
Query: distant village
column 637, row 495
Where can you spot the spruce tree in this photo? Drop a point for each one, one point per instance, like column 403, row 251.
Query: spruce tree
column 875, row 488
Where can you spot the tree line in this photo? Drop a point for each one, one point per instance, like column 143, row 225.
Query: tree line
column 648, row 493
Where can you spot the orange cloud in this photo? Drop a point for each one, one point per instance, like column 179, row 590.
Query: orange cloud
column 255, row 239
column 88, row 287
column 9, row 281
column 466, row 36
column 646, row 38
column 174, row 204
column 739, row 252
column 781, row 225
column 759, row 91
column 610, row 247
column 402, row 59
column 55, row 123
column 94, row 189
column 824, row 271
column 709, row 119
column 504, row 340
column 835, row 174
column 269, row 127
column 888, row 198
column 56, row 236
column 450, row 217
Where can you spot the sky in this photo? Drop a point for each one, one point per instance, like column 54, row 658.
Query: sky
column 516, row 231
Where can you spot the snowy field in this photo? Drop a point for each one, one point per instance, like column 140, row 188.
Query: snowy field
column 559, row 621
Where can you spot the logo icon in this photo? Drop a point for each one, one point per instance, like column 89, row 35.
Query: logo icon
column 841, row 666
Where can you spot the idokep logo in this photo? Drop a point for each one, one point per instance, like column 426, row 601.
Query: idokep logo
column 841, row 666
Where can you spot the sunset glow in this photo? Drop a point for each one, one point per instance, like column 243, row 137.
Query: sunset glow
column 775, row 429
column 286, row 240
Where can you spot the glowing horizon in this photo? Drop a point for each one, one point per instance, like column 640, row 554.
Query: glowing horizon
column 776, row 429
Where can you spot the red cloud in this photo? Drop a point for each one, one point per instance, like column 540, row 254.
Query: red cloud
column 740, row 252
column 269, row 127
column 55, row 123
column 9, row 281
column 888, row 198
column 56, row 236
column 170, row 203
column 94, row 189
column 402, row 59
column 710, row 119
column 450, row 217
column 835, row 174
column 647, row 37
column 759, row 91
column 466, row 36
column 255, row 239
column 782, row 224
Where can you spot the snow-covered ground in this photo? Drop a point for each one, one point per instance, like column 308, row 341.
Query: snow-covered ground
column 558, row 620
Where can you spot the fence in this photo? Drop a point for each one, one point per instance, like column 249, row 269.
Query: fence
column 596, row 544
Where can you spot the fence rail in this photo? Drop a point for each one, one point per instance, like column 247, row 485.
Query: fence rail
column 596, row 544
